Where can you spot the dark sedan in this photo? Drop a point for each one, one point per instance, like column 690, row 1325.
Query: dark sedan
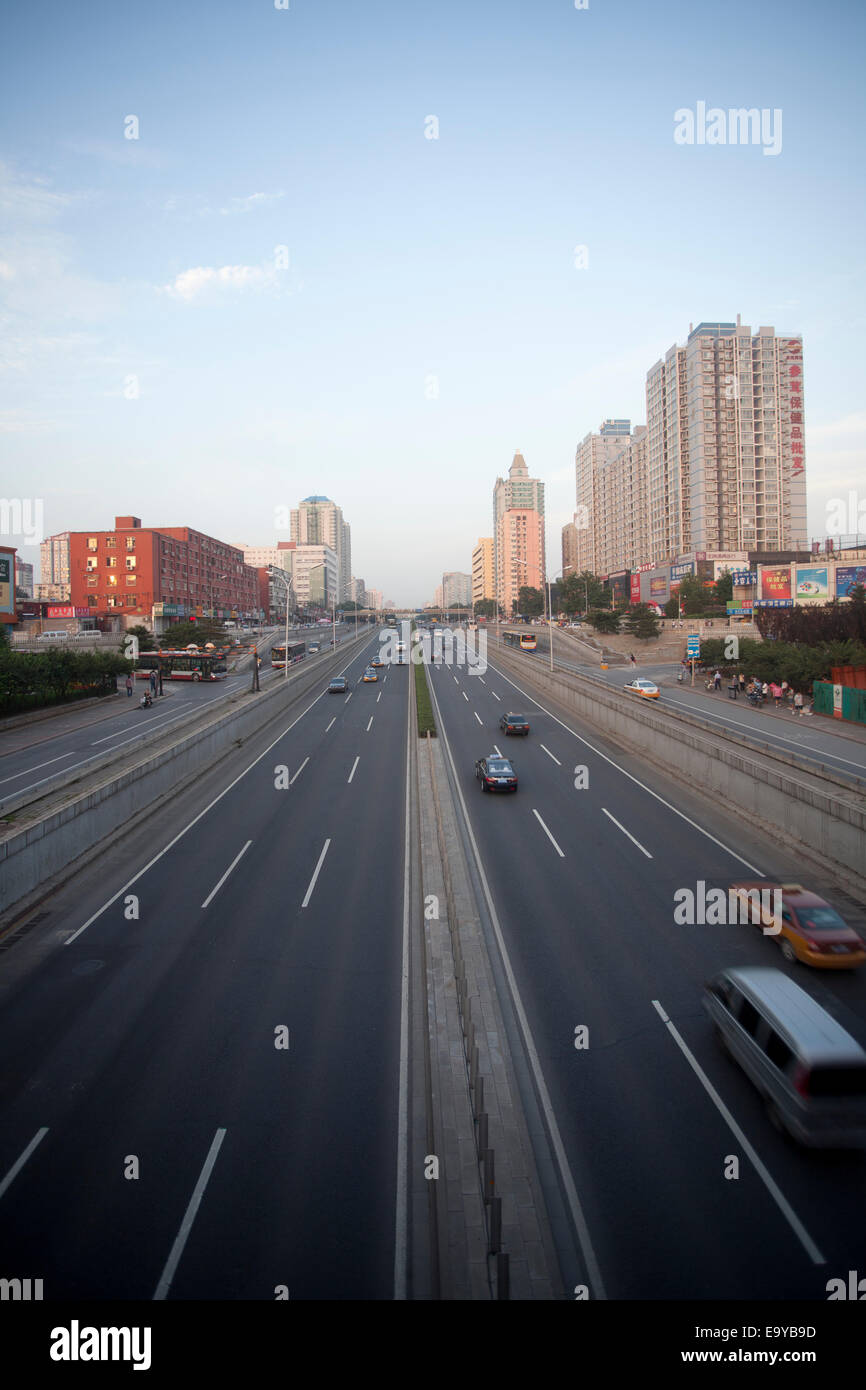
column 338, row 686
column 514, row 724
column 496, row 774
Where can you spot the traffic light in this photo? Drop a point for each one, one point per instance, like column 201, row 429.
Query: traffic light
column 192, row 617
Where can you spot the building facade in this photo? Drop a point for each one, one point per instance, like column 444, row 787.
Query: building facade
column 456, row 589
column 23, row 578
column 518, row 534
column 315, row 576
column 319, row 521
column 483, row 584
column 54, row 559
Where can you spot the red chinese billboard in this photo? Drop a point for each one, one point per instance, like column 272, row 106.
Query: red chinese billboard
column 776, row 583
column 635, row 588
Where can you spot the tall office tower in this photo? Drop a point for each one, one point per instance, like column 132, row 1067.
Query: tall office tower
column 482, row 570
column 319, row 521
column 593, row 452
column 726, row 464
column 569, row 549
column 518, row 534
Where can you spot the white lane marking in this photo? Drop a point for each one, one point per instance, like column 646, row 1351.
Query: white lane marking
column 213, row 892
column 182, row 1236
column 581, row 1225
column 550, row 755
column 36, row 767
column 180, row 834
column 300, row 769
column 400, row 1215
column 354, row 765
column 368, row 726
column 465, row 696
column 628, row 833
column 21, row 1160
column 482, row 680
column 548, row 834
column 333, row 721
column 760, row 732
column 378, row 697
column 456, row 681
column 477, row 716
column 348, row 698
column 497, row 752
column 638, row 783
column 495, row 696
column 154, row 722
column 763, row 1173
column 309, row 892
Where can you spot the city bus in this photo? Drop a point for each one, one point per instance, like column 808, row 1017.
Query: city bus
column 183, row 666
column 524, row 640
column 297, row 651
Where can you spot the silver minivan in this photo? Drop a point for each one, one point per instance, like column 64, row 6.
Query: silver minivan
column 810, row 1071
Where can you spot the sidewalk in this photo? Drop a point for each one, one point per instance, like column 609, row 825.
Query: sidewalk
column 855, row 733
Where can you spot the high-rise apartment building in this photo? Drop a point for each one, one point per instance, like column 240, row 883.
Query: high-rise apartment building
column 54, row 559
column 319, row 521
column 620, row 507
column 482, row 570
column 726, row 466
column 518, row 534
column 374, row 600
column 315, row 576
column 23, row 578
column 456, row 589
column 593, row 453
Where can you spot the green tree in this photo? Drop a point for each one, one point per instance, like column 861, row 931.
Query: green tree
column 530, row 602
column 146, row 642
column 672, row 607
column 724, row 589
column 641, row 622
column 604, row 620
column 692, row 595
column 485, row 608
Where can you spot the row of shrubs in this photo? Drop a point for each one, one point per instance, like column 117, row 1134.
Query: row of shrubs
column 793, row 662
column 37, row 680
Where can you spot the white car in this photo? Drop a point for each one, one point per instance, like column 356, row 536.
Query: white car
column 644, row 688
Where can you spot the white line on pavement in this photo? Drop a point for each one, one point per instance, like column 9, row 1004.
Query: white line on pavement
column 354, row 765
column 560, row 852
column 333, row 721
column 550, row 755
column 497, row 752
column 495, row 696
column 348, row 698
column 300, row 769
column 36, row 767
column 465, row 696
column 182, row 1236
column 401, row 1214
column 213, row 892
column 781, row 1201
column 628, row 833
column 368, row 726
column 477, row 716
column 309, row 892
column 378, row 697
column 20, row 1161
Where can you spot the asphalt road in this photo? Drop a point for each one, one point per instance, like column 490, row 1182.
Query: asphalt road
column 583, row 882
column 812, row 740
column 153, row 1038
column 34, row 753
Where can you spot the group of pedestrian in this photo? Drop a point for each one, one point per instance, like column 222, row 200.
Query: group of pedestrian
column 153, row 683
column 758, row 692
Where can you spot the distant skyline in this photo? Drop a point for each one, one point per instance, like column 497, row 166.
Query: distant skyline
column 283, row 287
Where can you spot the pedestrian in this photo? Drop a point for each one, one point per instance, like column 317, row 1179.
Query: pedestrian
column 153, row 682
column 742, row 684
column 631, row 658
column 765, row 690
column 798, row 703
column 717, row 680
column 776, row 692
column 732, row 689
column 786, row 690
column 129, row 684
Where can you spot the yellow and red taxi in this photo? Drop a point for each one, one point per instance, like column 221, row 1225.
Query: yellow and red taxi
column 369, row 675
column 644, row 688
column 811, row 929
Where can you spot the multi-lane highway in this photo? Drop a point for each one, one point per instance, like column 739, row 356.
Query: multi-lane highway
column 202, row 1030
column 34, row 753
column 270, row 898
column 583, row 882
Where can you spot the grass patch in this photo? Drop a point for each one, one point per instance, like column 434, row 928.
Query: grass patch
column 423, row 705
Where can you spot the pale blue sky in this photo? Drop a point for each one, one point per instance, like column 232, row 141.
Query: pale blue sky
column 409, row 259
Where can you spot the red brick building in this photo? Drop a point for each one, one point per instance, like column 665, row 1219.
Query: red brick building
column 124, row 572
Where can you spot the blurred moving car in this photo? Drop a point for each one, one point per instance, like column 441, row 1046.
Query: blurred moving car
column 811, row 929
column 644, row 688
column 514, row 724
column 338, row 686
column 496, row 774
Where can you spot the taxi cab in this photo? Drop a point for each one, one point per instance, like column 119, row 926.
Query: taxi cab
column 644, row 688
column 370, row 674
column 811, row 930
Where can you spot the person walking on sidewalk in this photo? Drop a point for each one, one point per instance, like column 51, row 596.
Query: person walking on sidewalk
column 129, row 683
column 798, row 703
column 717, row 681
column 153, row 682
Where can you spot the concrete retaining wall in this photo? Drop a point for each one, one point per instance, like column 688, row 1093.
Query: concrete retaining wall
column 798, row 806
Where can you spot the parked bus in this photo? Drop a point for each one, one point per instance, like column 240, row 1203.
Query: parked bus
column 183, row 666
column 524, row 640
column 297, row 651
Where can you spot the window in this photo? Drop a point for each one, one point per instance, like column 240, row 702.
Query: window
column 778, row 1051
column 111, row 561
column 130, row 562
column 111, row 542
column 748, row 1017
column 91, row 542
column 130, row 542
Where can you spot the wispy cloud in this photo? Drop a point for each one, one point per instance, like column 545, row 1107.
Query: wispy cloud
column 206, row 279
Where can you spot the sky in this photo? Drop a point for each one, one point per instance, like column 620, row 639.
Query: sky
column 283, row 286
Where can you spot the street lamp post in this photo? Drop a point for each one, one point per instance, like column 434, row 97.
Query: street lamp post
column 548, row 583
